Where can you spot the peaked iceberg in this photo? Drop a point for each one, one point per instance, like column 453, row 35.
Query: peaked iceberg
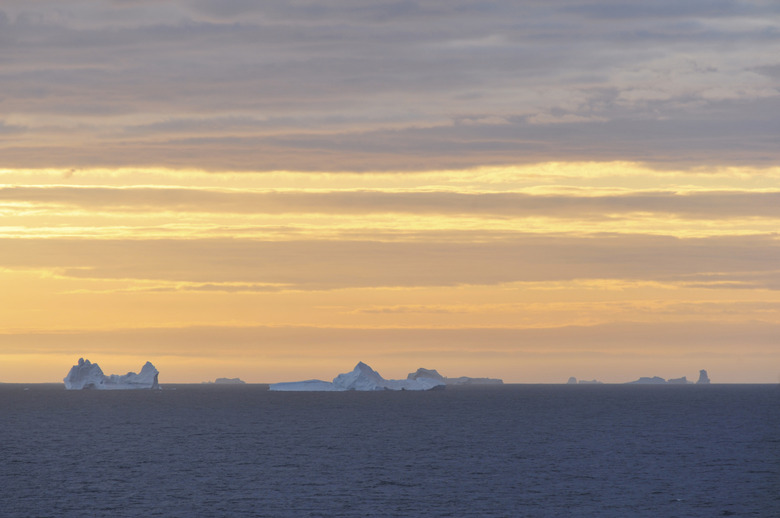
column 362, row 378
column 87, row 375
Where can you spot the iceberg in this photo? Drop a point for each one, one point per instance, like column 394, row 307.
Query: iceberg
column 229, row 381
column 426, row 373
column 573, row 381
column 304, row 386
column 87, row 375
column 655, row 380
column 361, row 378
column 422, row 373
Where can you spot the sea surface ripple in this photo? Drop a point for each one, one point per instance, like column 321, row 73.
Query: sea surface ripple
column 499, row 451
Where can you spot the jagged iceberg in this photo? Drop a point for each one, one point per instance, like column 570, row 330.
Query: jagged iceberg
column 87, row 375
column 362, row 378
column 703, row 378
column 462, row 380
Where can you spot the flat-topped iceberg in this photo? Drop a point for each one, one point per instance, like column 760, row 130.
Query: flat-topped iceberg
column 87, row 375
column 229, row 381
column 462, row 380
column 362, row 378
column 645, row 380
column 305, row 386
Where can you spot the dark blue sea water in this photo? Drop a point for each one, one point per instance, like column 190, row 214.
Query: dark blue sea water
column 513, row 450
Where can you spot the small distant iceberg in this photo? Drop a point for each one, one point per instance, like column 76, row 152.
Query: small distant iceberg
column 646, row 380
column 361, row 378
column 86, row 375
column 655, row 380
column 422, row 373
column 573, row 381
column 305, row 386
column 229, row 381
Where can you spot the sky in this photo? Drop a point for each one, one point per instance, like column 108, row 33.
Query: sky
column 277, row 190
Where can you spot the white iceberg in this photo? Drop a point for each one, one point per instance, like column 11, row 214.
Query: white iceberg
column 703, row 378
column 426, row 373
column 87, row 375
column 362, row 378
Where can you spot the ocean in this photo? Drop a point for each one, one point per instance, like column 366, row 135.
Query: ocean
column 490, row 451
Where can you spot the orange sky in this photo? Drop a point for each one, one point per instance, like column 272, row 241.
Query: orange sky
column 278, row 190
column 523, row 273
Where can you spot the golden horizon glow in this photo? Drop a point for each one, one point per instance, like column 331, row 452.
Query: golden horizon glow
column 156, row 255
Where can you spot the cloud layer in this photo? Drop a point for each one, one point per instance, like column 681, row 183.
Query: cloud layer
column 697, row 205
column 387, row 86
column 749, row 261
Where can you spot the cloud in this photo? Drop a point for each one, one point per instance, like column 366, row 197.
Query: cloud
column 323, row 264
column 692, row 9
column 682, row 140
column 715, row 205
column 772, row 71
column 10, row 129
column 355, row 86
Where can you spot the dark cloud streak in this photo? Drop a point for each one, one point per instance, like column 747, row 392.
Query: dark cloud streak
column 716, row 205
